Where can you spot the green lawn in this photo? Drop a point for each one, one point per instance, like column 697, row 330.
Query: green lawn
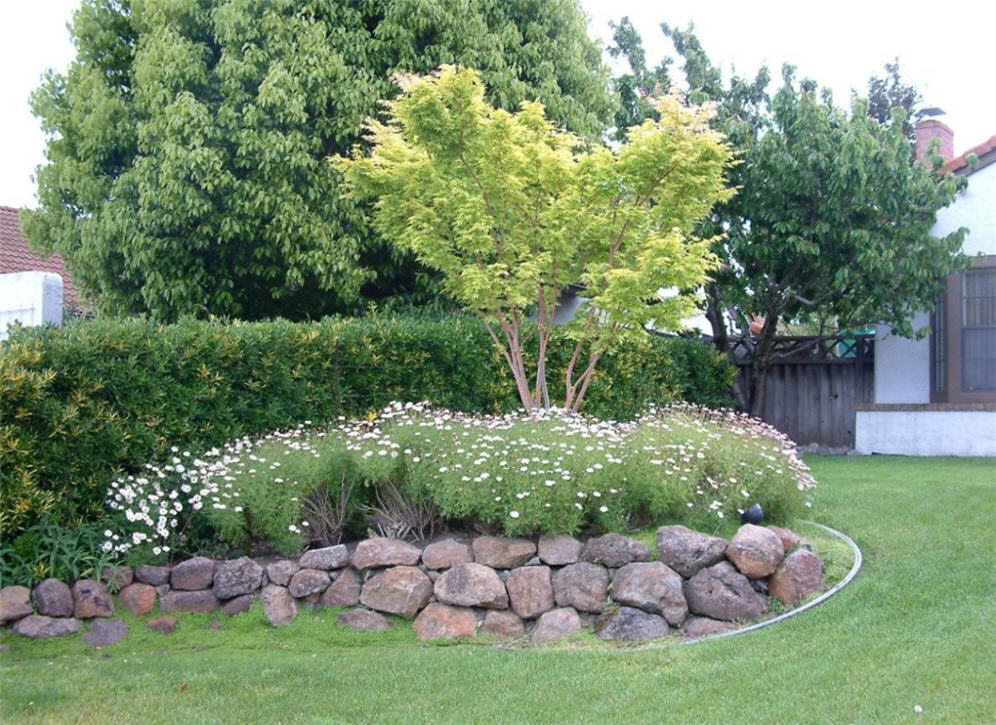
column 916, row 628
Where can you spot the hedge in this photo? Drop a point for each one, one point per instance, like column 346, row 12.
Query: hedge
column 85, row 402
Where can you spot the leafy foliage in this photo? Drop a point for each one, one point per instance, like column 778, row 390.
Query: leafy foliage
column 887, row 93
column 187, row 141
column 510, row 213
column 85, row 402
column 49, row 548
column 636, row 88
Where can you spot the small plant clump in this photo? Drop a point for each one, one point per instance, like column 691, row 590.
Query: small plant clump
column 410, row 467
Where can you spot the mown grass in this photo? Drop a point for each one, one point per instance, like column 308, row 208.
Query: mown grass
column 916, row 628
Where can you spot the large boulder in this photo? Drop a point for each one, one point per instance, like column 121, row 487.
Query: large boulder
column 445, row 554
column 363, row 620
column 15, row 603
column 721, row 592
column 401, row 590
column 280, row 572
column 104, row 632
column 471, row 585
column 38, row 626
column 556, row 624
column 614, row 550
column 279, row 606
column 91, row 599
column 530, row 591
column 503, row 623
column 380, row 552
column 799, row 575
column 237, row 577
column 202, row 602
column 439, row 621
column 344, row 591
column 653, row 587
column 559, row 550
column 326, row 558
column 583, row 586
column 138, row 598
column 789, row 538
column 154, row 575
column 755, row 550
column 192, row 574
column 53, row 598
column 630, row 625
column 238, row 605
column 687, row 551
column 308, row 581
column 499, row 552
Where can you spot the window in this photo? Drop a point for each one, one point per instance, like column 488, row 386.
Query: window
column 939, row 347
column 978, row 334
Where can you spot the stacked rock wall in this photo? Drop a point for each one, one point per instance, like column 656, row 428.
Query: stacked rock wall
column 547, row 588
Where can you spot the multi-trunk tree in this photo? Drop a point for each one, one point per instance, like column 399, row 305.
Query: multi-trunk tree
column 510, row 210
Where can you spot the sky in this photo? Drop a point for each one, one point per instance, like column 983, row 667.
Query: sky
column 948, row 54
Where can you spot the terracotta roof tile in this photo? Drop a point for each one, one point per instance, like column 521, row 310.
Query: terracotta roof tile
column 961, row 162
column 15, row 256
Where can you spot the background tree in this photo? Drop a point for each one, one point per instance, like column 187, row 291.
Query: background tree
column 635, row 90
column 888, row 92
column 831, row 223
column 186, row 149
column 510, row 213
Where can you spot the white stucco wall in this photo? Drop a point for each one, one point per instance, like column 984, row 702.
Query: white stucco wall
column 31, row 298
column 926, row 432
column 975, row 208
column 902, row 366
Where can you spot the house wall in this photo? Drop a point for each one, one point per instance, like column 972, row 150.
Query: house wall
column 31, row 298
column 975, row 208
column 926, row 432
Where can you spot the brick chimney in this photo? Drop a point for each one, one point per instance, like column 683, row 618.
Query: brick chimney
column 929, row 129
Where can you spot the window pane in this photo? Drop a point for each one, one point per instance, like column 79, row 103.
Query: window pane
column 978, row 337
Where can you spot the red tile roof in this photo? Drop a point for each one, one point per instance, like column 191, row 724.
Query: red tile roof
column 961, row 162
column 15, row 256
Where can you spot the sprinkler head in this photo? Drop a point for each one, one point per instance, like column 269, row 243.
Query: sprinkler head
column 753, row 515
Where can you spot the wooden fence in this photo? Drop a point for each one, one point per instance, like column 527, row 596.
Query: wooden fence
column 815, row 387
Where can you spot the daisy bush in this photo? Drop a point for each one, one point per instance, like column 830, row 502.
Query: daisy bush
column 542, row 472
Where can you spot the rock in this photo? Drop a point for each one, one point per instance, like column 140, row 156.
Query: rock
column 559, row 550
column 104, row 632
column 401, row 590
column 381, row 551
column 278, row 605
column 15, row 603
column 344, row 591
column 614, row 550
column 630, row 625
column 437, row 621
column 238, row 605
column 687, row 551
column 215, row 624
column 154, row 575
column 280, row 572
column 556, row 624
column 789, row 538
column 203, row 601
column 166, row 625
column 162, row 590
column 445, row 554
column 311, row 601
column 721, row 592
column 696, row 627
column 40, row 626
column 530, row 591
column 308, row 581
column 91, row 599
column 138, row 598
column 499, row 552
column 237, row 577
column 53, row 598
column 121, row 576
column 192, row 574
column 327, row 558
column 755, row 550
column 471, row 585
column 653, row 587
column 499, row 623
column 799, row 575
column 363, row 620
column 583, row 586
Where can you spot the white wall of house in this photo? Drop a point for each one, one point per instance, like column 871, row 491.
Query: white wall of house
column 31, row 298
column 926, row 432
column 975, row 208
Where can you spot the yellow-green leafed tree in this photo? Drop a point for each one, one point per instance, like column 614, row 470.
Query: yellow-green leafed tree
column 512, row 210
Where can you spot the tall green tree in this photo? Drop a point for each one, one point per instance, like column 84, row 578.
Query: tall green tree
column 511, row 212
column 636, row 88
column 187, row 140
column 889, row 92
column 831, row 223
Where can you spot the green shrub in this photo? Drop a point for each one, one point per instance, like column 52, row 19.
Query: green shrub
column 50, row 549
column 83, row 403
